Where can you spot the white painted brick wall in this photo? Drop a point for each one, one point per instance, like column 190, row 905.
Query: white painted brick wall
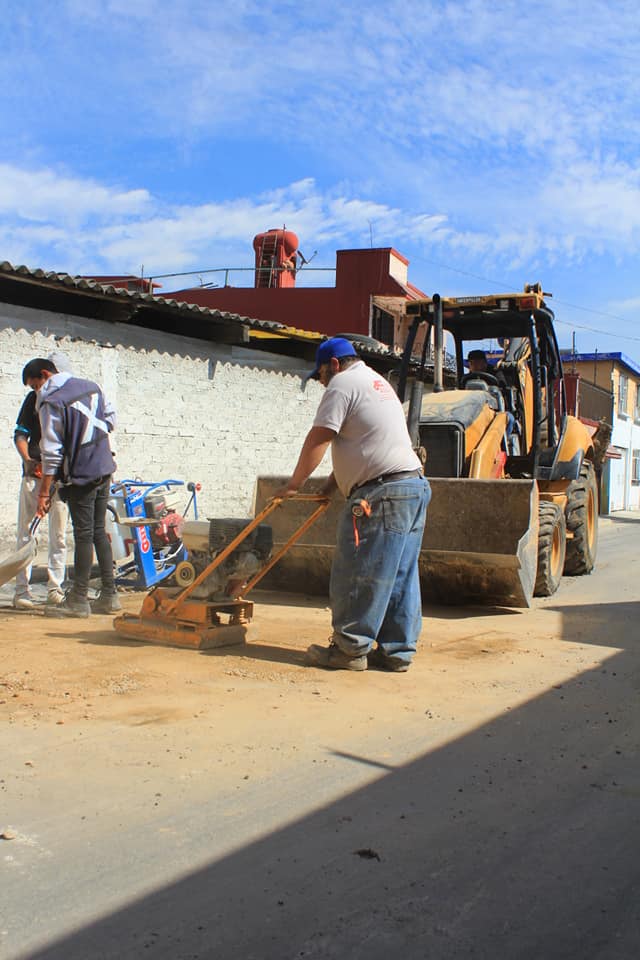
column 187, row 410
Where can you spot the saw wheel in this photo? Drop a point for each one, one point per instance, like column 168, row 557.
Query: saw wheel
column 185, row 573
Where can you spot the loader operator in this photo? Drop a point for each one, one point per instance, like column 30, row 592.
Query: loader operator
column 478, row 361
column 76, row 420
column 374, row 588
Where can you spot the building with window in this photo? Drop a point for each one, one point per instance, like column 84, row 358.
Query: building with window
column 616, row 374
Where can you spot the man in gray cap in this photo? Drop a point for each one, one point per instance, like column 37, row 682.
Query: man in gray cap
column 374, row 588
column 26, row 438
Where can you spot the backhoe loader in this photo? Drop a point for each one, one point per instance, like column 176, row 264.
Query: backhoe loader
column 515, row 500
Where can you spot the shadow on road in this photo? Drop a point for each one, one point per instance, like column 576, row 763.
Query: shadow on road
column 253, row 651
column 518, row 840
column 433, row 612
column 260, row 651
column 277, row 598
column 107, row 637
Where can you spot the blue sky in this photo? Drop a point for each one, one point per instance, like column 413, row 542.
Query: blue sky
column 492, row 143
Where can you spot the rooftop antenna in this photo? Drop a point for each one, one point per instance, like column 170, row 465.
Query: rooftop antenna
column 304, row 259
column 370, row 233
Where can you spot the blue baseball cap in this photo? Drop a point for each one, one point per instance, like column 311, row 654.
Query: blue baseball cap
column 334, row 347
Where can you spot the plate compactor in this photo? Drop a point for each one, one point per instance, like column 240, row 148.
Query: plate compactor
column 227, row 558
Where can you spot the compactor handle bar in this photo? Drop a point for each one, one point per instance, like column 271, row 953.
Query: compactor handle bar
column 319, row 498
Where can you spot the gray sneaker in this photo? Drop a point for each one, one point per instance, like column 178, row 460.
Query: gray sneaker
column 106, row 603
column 378, row 660
column 24, row 603
column 71, row 606
column 333, row 658
column 55, row 597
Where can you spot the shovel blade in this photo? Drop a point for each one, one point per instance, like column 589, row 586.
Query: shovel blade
column 11, row 565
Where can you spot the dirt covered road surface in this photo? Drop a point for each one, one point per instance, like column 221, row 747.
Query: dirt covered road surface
column 165, row 803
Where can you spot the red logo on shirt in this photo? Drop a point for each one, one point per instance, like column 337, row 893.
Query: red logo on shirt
column 382, row 386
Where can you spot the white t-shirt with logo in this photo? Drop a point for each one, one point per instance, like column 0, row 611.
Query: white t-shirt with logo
column 371, row 432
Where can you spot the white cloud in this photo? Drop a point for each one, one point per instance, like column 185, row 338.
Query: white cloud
column 79, row 226
column 596, row 203
column 68, row 223
column 42, row 195
column 457, row 125
column 383, row 72
column 628, row 305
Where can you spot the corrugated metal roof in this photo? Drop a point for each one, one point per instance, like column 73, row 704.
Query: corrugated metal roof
column 262, row 329
column 83, row 285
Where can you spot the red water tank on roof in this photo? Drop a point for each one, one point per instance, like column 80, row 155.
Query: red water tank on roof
column 276, row 258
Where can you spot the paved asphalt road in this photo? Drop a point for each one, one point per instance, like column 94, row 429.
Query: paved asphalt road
column 515, row 837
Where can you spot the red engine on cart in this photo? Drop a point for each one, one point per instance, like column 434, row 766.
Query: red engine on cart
column 167, row 530
column 165, row 527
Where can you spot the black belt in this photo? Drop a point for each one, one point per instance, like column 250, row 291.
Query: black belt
column 387, row 478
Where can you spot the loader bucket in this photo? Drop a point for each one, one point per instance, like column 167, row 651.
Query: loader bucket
column 480, row 542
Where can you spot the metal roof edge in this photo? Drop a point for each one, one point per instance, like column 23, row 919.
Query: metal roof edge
column 84, row 285
column 179, row 307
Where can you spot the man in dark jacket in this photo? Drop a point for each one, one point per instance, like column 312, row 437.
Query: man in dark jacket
column 75, row 421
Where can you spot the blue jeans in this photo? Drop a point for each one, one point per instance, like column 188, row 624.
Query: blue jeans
column 375, row 587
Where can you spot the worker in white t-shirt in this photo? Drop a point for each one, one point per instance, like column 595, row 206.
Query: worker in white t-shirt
column 375, row 589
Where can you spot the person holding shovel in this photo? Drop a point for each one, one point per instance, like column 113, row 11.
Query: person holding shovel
column 76, row 421
column 27, row 441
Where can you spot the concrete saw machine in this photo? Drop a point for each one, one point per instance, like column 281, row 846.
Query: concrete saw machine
column 144, row 524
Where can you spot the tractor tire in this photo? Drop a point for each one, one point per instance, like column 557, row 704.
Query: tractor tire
column 582, row 522
column 552, row 546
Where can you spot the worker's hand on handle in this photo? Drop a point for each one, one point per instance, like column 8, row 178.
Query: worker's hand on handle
column 44, row 504
column 283, row 493
column 313, row 450
column 33, row 468
column 329, row 488
column 44, row 496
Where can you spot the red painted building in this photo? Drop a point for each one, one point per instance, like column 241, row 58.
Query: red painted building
column 371, row 289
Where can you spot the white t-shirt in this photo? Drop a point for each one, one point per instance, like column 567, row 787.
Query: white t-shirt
column 371, row 433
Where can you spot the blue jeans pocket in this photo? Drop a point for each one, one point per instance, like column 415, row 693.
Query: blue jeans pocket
column 398, row 513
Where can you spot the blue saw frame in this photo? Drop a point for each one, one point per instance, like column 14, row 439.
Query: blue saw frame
column 147, row 566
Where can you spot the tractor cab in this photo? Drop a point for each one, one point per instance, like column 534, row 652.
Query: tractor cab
column 506, row 354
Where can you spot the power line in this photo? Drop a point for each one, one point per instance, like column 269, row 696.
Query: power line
column 562, row 303
column 604, row 333
column 598, row 313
